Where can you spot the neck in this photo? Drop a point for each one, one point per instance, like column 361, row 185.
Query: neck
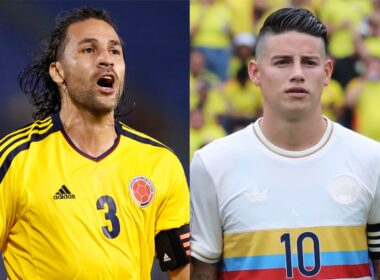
column 294, row 135
column 92, row 134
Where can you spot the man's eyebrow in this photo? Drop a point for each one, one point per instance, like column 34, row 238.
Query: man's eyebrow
column 310, row 57
column 94, row 41
column 281, row 56
column 87, row 40
column 290, row 56
column 276, row 57
column 114, row 43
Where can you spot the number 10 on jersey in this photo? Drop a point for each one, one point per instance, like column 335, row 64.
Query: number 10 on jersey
column 302, row 263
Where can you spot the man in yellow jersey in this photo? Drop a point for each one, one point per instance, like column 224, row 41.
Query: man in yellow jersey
column 83, row 196
column 363, row 95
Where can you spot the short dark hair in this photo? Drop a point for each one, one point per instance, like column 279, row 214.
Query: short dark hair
column 35, row 79
column 292, row 19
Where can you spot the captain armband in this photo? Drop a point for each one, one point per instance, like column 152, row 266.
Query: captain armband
column 173, row 248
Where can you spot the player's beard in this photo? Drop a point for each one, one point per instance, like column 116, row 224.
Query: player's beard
column 84, row 94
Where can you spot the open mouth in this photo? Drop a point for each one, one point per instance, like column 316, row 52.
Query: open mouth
column 106, row 81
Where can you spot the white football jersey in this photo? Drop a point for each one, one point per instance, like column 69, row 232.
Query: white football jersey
column 268, row 213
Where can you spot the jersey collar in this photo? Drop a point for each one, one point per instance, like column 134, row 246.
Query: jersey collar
column 293, row 154
column 59, row 126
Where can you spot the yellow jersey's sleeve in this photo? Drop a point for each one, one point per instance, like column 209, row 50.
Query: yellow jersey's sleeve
column 8, row 203
column 174, row 210
column 5, row 209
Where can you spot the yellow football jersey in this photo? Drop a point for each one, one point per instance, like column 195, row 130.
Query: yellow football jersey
column 66, row 215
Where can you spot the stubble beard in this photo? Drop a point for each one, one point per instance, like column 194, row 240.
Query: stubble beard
column 86, row 97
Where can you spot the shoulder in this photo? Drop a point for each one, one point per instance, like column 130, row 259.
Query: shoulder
column 226, row 147
column 355, row 142
column 33, row 132
column 146, row 144
column 20, row 140
column 140, row 137
column 342, row 132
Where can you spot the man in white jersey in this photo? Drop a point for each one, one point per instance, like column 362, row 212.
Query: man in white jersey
column 294, row 195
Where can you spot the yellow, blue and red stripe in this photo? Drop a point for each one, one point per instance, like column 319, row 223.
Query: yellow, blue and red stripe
column 342, row 252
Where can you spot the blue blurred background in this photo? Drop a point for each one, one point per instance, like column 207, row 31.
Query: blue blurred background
column 157, row 77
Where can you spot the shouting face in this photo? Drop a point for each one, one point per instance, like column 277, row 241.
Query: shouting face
column 91, row 70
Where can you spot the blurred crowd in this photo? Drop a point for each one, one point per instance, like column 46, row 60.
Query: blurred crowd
column 223, row 35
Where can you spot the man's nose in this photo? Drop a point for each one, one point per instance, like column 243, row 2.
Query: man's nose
column 297, row 73
column 105, row 59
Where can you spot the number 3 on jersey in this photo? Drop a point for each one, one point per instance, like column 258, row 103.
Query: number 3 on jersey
column 308, row 264
column 109, row 215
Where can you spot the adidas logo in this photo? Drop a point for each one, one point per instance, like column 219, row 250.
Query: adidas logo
column 64, row 193
column 167, row 258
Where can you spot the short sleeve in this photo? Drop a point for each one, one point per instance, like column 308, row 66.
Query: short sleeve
column 373, row 227
column 174, row 210
column 206, row 228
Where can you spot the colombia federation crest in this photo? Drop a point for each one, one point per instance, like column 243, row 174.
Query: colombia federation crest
column 141, row 190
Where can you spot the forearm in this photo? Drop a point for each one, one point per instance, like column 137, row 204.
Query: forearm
column 203, row 271
column 182, row 273
column 376, row 266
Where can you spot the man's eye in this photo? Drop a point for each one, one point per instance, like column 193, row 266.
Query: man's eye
column 310, row 62
column 88, row 50
column 115, row 51
column 281, row 62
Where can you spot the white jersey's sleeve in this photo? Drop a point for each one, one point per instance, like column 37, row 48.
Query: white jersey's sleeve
column 373, row 227
column 206, row 228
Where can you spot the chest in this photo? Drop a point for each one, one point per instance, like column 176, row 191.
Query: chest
column 112, row 204
column 273, row 194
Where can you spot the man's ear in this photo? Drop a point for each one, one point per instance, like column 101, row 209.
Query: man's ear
column 56, row 72
column 329, row 67
column 253, row 71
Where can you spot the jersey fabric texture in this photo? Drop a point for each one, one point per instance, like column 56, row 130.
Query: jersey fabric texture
column 267, row 213
column 66, row 215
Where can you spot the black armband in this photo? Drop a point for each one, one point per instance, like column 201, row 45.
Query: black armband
column 373, row 238
column 173, row 248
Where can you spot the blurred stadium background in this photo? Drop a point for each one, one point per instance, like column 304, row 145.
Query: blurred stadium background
column 157, row 69
column 223, row 34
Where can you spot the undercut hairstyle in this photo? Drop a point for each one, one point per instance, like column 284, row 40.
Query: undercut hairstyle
column 291, row 19
column 35, row 80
